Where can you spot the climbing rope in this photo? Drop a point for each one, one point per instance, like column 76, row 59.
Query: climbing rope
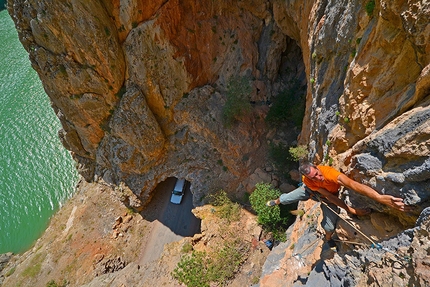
column 374, row 244
column 362, row 234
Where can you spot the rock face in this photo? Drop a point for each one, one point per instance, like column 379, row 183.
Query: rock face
column 142, row 88
column 397, row 258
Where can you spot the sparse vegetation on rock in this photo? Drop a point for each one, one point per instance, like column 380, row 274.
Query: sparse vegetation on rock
column 237, row 104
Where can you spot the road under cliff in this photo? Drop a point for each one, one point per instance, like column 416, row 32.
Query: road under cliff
column 169, row 222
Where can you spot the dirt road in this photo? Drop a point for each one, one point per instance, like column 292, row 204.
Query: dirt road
column 169, row 222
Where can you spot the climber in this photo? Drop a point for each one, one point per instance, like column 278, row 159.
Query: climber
column 323, row 183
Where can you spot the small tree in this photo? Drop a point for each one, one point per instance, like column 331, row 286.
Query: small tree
column 226, row 208
column 298, row 153
column 237, row 104
column 270, row 217
column 193, row 271
column 200, row 268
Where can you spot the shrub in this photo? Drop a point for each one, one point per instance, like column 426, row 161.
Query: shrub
column 298, row 153
column 237, row 104
column 272, row 218
column 200, row 268
column 226, row 208
column 35, row 265
column 187, row 247
column 10, row 272
column 289, row 105
column 227, row 261
column 192, row 270
column 32, row 270
column 263, row 192
column 370, row 6
column 107, row 31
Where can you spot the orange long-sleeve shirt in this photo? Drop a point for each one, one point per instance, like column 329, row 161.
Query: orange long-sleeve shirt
column 330, row 180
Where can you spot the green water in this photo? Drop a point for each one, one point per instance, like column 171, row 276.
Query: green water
column 36, row 173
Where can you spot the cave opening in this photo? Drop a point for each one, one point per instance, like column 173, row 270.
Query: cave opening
column 287, row 111
column 285, row 116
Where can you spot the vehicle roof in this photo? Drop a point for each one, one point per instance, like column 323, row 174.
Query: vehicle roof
column 179, row 184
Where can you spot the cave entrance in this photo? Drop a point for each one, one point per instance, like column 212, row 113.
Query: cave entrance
column 287, row 111
column 292, row 67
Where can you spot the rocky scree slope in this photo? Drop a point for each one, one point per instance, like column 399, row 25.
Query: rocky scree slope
column 140, row 90
column 94, row 240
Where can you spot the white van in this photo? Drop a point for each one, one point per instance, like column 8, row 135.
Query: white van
column 178, row 191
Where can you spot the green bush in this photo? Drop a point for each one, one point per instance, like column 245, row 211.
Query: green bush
column 275, row 218
column 370, row 6
column 298, row 153
column 10, row 272
column 266, row 216
column 237, row 104
column 35, row 266
column 227, row 261
column 193, row 271
column 32, row 271
column 289, row 105
column 227, row 209
column 200, row 268
column 187, row 247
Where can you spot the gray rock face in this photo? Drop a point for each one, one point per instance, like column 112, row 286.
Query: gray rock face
column 398, row 261
column 394, row 160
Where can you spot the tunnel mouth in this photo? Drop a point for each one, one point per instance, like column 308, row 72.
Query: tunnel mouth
column 176, row 216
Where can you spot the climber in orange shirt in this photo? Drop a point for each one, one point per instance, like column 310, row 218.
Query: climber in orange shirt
column 324, row 182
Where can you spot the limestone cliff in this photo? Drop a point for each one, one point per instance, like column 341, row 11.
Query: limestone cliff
column 141, row 87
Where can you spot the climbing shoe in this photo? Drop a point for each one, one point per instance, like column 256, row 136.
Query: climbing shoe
column 271, row 203
column 331, row 243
